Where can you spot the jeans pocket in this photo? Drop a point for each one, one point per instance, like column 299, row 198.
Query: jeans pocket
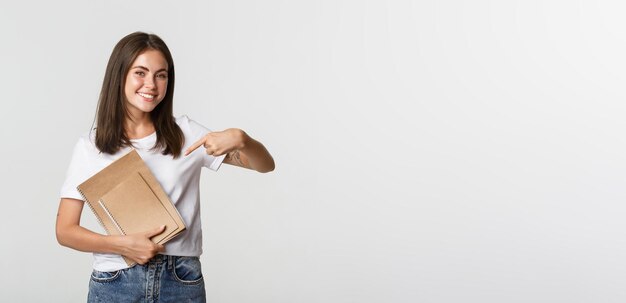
column 187, row 270
column 105, row 276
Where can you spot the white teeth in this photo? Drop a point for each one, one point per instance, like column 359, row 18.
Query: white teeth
column 145, row 95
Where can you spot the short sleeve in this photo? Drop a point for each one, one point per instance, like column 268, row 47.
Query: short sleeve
column 77, row 172
column 198, row 131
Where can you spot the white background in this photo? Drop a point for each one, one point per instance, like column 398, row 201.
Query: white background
column 427, row 151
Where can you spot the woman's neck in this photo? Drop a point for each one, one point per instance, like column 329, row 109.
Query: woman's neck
column 138, row 127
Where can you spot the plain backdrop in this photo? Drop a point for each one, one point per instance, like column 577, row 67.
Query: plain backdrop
column 427, row 151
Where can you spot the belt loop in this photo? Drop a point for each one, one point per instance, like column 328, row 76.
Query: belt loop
column 170, row 262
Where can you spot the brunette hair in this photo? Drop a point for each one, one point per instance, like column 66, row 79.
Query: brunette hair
column 112, row 111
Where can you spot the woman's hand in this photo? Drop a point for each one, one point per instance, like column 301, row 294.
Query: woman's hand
column 220, row 143
column 241, row 149
column 139, row 248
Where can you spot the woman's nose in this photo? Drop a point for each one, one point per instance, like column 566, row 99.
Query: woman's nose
column 149, row 82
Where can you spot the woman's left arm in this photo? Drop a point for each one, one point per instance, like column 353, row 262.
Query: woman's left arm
column 240, row 149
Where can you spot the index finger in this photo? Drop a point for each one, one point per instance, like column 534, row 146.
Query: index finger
column 195, row 146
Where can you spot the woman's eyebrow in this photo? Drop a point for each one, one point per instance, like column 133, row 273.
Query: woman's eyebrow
column 146, row 69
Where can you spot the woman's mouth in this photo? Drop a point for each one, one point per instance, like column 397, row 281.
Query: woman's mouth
column 147, row 97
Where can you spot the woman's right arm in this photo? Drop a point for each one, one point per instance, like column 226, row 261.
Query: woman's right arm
column 136, row 247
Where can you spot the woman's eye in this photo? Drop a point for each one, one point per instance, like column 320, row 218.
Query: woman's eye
column 140, row 73
column 162, row 76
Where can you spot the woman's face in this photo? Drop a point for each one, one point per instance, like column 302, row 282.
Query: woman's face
column 146, row 82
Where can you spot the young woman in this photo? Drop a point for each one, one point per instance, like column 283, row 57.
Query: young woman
column 135, row 111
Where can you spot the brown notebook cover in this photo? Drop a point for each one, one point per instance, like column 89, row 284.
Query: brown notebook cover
column 133, row 208
column 123, row 172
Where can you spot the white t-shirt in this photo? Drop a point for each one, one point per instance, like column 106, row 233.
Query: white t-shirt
column 179, row 178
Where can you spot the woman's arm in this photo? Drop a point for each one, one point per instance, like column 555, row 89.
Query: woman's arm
column 250, row 154
column 137, row 247
column 240, row 149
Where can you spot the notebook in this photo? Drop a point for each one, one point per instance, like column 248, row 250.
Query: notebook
column 133, row 207
column 126, row 198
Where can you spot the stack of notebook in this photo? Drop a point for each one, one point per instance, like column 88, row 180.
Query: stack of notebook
column 126, row 198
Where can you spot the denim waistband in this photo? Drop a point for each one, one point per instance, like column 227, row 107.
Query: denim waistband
column 161, row 258
column 167, row 260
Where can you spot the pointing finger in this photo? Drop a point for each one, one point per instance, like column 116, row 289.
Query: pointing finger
column 195, row 146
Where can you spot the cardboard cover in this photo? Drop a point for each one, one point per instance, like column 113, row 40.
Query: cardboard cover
column 118, row 187
column 134, row 208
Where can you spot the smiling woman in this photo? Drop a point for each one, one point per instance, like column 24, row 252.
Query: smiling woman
column 146, row 82
column 135, row 112
column 140, row 64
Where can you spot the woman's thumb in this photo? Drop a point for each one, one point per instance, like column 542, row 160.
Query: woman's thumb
column 156, row 231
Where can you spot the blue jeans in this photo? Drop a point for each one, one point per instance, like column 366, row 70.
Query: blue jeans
column 163, row 279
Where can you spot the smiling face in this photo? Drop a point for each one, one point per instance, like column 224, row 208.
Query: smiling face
column 146, row 82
